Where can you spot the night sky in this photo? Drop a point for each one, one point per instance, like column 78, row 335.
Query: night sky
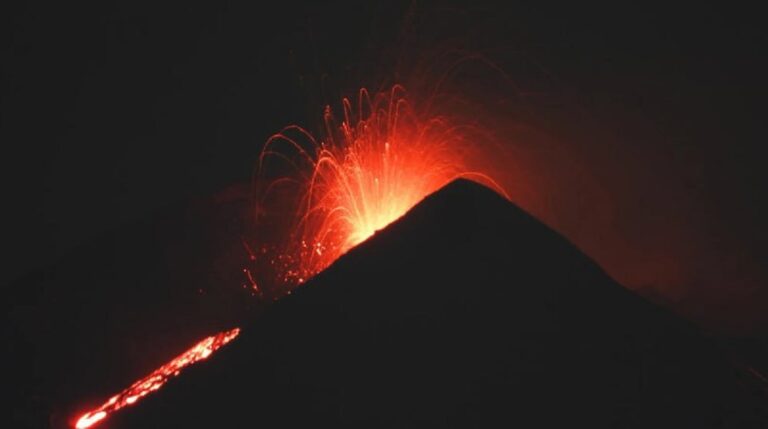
column 636, row 131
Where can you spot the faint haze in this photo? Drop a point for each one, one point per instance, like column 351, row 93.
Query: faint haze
column 634, row 132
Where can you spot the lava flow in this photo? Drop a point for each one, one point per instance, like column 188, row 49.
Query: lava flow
column 157, row 378
column 365, row 173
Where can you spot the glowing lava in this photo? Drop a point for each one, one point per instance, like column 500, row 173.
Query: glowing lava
column 157, row 378
column 382, row 159
column 365, row 173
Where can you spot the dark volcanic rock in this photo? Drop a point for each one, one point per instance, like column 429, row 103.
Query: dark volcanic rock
column 119, row 306
column 467, row 312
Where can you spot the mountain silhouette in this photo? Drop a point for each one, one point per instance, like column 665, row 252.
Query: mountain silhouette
column 465, row 312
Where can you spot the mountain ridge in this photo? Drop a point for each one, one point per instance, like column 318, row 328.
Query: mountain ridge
column 464, row 312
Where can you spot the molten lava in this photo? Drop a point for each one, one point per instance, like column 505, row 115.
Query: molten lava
column 382, row 159
column 157, row 378
column 365, row 173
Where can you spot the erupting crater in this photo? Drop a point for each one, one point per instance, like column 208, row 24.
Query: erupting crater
column 384, row 157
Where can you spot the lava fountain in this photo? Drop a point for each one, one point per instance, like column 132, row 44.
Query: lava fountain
column 382, row 159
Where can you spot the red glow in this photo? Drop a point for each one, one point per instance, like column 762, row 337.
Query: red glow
column 157, row 378
column 382, row 159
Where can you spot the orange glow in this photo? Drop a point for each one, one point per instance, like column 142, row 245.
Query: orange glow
column 157, row 378
column 382, row 159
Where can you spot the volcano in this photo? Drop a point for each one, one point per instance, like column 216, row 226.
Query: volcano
column 466, row 312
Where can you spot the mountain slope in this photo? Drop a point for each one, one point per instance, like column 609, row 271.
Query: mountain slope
column 466, row 312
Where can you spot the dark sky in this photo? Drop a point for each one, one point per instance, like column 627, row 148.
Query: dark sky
column 641, row 139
